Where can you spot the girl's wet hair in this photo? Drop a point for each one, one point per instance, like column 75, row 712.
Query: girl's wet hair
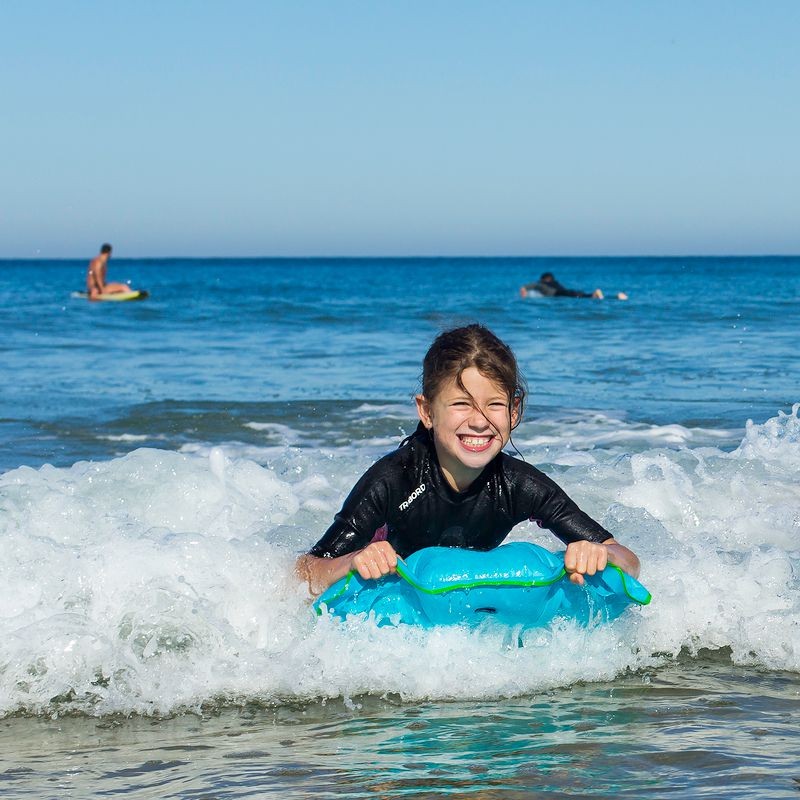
column 476, row 346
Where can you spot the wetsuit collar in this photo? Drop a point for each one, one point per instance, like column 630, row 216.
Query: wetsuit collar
column 441, row 484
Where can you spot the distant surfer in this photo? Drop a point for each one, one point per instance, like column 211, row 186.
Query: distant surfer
column 548, row 286
column 96, row 276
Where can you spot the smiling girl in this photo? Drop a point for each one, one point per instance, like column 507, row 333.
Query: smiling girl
column 450, row 485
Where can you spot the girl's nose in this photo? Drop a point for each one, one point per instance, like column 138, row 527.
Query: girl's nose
column 477, row 419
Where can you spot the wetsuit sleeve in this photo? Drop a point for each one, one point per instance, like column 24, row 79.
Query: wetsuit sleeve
column 363, row 513
column 556, row 511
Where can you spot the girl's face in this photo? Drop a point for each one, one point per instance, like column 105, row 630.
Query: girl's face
column 469, row 428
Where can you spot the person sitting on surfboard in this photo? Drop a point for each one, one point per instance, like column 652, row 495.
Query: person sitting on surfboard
column 96, row 276
column 548, row 286
column 450, row 485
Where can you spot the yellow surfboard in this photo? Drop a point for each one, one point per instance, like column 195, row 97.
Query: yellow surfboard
column 118, row 297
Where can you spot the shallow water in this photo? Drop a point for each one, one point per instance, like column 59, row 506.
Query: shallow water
column 696, row 728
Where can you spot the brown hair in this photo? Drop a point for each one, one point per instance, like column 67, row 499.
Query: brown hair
column 474, row 345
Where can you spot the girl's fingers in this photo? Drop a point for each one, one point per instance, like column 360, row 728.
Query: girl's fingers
column 585, row 558
column 381, row 565
column 598, row 560
column 385, row 556
column 575, row 558
column 376, row 560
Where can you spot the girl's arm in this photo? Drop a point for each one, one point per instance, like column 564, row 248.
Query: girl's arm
column 372, row 561
column 587, row 558
column 624, row 558
column 558, row 512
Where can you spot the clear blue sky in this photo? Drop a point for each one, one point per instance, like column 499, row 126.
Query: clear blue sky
column 407, row 128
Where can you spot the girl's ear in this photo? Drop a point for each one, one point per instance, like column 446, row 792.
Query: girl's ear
column 424, row 411
column 515, row 412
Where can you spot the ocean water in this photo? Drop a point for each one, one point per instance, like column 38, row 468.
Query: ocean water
column 163, row 462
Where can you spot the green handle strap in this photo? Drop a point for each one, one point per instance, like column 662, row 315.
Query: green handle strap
column 407, row 576
column 562, row 573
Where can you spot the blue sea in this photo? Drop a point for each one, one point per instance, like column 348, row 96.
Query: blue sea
column 163, row 462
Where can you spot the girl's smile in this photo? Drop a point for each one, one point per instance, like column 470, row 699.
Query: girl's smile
column 470, row 425
column 476, row 444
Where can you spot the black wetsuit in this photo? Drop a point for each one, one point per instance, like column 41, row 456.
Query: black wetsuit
column 405, row 499
column 552, row 288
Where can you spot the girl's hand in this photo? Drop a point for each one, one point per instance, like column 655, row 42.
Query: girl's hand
column 585, row 558
column 375, row 560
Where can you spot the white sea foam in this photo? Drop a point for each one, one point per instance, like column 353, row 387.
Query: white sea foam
column 129, row 437
column 161, row 581
column 282, row 434
column 384, row 410
column 591, row 430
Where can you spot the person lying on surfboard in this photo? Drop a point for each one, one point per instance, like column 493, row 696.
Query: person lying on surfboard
column 548, row 286
column 96, row 276
column 450, row 485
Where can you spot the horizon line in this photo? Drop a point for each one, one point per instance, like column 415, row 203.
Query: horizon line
column 406, row 257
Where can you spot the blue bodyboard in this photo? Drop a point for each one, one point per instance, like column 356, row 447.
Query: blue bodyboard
column 515, row 584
